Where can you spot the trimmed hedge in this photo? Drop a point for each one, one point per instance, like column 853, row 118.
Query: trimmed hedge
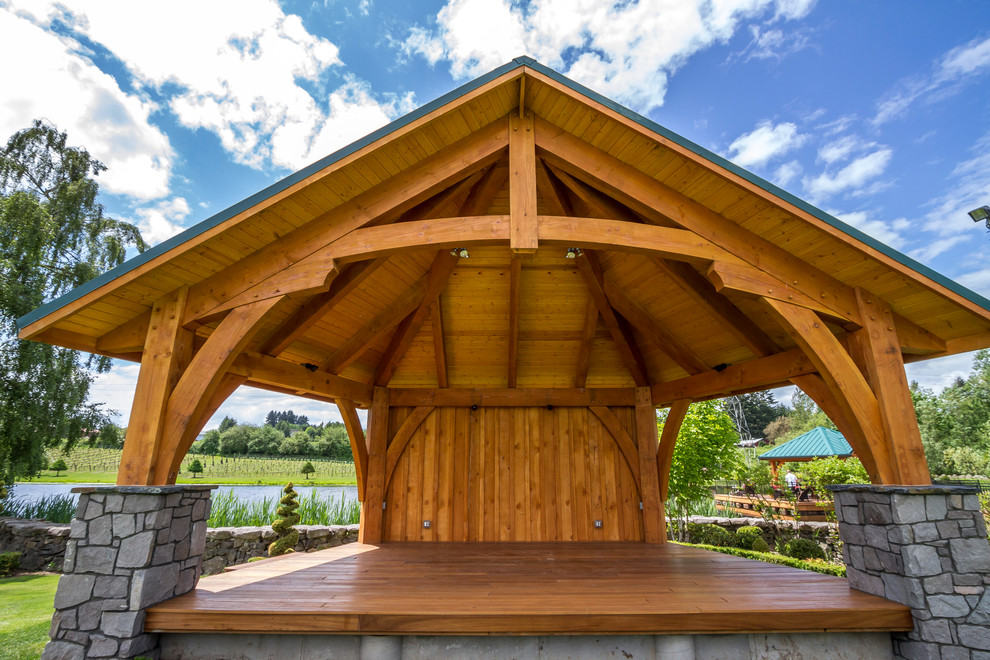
column 770, row 558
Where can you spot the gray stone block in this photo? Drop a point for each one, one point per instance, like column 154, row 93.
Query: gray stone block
column 140, row 503
column 123, row 524
column 95, row 559
column 122, row 624
column 158, row 519
column 74, row 589
column 921, row 560
column 971, row 555
column 876, row 514
column 900, row 534
column 111, row 587
column 199, row 510
column 100, row 531
column 948, row 606
column 135, row 551
column 102, row 647
column 94, row 509
column 975, row 637
column 181, row 526
column 924, row 532
column 114, row 503
column 907, row 508
column 78, row 529
column 907, row 591
column 876, row 537
column 140, row 645
column 198, row 540
column 153, row 585
column 940, row 584
column 59, row 650
column 163, row 554
column 936, row 630
column 871, row 584
column 935, row 508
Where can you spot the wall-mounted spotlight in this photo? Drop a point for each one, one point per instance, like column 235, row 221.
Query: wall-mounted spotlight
column 310, row 366
column 460, row 252
column 573, row 253
column 981, row 214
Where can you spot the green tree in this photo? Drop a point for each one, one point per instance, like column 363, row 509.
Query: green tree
column 704, row 453
column 760, row 408
column 195, row 468
column 227, row 423
column 58, row 466
column 308, row 469
column 55, row 237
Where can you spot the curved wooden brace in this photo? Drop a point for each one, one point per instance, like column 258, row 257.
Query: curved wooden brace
column 202, row 379
column 665, row 452
column 228, row 385
column 817, row 390
column 402, row 436
column 359, row 446
column 843, row 378
column 622, row 439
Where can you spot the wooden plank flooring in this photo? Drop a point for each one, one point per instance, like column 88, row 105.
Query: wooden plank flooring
column 521, row 588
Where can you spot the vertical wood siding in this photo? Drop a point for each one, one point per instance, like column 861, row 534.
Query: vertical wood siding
column 512, row 474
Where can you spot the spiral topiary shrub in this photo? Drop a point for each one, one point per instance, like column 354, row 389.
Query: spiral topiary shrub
column 709, row 535
column 760, row 545
column 745, row 537
column 284, row 525
column 803, row 549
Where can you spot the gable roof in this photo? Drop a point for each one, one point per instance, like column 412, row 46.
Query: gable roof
column 439, row 162
column 819, row 442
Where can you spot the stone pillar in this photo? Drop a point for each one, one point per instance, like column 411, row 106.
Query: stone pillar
column 925, row 547
column 129, row 547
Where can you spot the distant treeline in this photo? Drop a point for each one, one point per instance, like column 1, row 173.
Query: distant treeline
column 283, row 434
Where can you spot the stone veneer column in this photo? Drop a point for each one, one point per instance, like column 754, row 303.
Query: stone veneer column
column 925, row 547
column 129, row 547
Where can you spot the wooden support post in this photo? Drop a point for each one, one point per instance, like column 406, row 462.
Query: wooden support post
column 167, row 350
column 654, row 524
column 665, row 452
column 194, row 394
column 522, row 185
column 439, row 347
column 372, row 508
column 840, row 373
column 359, row 446
column 877, row 352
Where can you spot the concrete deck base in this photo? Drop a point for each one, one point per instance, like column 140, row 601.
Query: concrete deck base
column 762, row 646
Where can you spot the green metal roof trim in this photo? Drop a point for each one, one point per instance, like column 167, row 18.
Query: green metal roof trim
column 516, row 63
column 816, row 443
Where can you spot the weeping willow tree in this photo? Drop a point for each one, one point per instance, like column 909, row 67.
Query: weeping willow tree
column 54, row 236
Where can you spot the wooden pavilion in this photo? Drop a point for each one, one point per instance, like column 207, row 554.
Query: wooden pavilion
column 512, row 279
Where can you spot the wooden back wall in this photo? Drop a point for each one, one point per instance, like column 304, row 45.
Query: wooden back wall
column 512, row 474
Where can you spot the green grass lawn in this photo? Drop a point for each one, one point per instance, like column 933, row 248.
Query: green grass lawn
column 99, row 466
column 25, row 615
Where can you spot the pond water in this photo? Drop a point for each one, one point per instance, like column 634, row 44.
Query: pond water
column 35, row 491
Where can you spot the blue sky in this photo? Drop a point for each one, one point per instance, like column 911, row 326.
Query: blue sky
column 877, row 112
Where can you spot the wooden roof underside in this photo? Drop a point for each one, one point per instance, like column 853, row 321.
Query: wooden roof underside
column 675, row 251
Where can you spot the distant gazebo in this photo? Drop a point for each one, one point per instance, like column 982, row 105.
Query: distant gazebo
column 819, row 442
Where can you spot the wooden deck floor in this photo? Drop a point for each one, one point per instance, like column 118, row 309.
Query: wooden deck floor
column 522, row 588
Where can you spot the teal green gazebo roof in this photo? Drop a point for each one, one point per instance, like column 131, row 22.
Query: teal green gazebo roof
column 819, row 442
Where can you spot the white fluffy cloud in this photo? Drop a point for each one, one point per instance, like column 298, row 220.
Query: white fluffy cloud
column 243, row 69
column 853, row 177
column 63, row 86
column 628, row 49
column 764, row 143
column 953, row 69
column 162, row 220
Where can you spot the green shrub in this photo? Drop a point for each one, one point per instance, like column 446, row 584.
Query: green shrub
column 709, row 535
column 803, row 549
column 770, row 558
column 745, row 537
column 760, row 545
column 9, row 561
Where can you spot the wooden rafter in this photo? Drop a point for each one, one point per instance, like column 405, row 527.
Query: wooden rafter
column 439, row 346
column 660, row 203
column 552, row 192
column 443, row 265
column 484, row 192
column 703, row 294
column 319, row 306
column 504, row 397
column 597, row 202
column 587, row 340
column 264, row 370
column 591, row 271
column 659, row 334
column 402, row 192
column 761, row 373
